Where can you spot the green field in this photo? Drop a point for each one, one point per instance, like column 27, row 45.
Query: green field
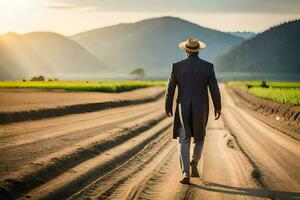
column 270, row 84
column 283, row 92
column 93, row 86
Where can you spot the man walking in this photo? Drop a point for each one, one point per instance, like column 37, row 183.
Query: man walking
column 192, row 76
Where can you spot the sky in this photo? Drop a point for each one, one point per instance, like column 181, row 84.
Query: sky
column 69, row 17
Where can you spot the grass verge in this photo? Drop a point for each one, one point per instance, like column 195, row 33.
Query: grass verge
column 91, row 86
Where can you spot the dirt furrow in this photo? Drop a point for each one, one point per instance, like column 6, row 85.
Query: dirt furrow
column 15, row 134
column 130, row 155
column 42, row 113
column 39, row 143
column 116, row 184
column 274, row 160
column 75, row 178
column 46, row 168
column 275, row 156
column 285, row 127
column 220, row 169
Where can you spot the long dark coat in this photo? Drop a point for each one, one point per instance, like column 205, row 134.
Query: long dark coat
column 193, row 76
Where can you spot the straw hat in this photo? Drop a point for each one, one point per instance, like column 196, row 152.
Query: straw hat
column 192, row 45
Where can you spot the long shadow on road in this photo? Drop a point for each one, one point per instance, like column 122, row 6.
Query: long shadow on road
column 263, row 193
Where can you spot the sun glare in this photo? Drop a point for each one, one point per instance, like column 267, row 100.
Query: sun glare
column 17, row 8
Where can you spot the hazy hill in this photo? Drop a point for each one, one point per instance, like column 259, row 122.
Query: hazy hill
column 22, row 56
column 62, row 53
column 151, row 44
column 273, row 51
column 17, row 58
column 244, row 34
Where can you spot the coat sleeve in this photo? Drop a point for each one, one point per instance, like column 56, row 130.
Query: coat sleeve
column 214, row 89
column 172, row 82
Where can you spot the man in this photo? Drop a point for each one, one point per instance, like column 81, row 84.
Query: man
column 192, row 76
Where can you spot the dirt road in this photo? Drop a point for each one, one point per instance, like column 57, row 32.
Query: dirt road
column 128, row 153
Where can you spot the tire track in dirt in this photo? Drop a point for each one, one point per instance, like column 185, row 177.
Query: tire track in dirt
column 274, row 156
column 75, row 178
column 117, row 183
column 224, row 168
column 274, row 160
column 44, row 141
column 154, row 185
column 146, row 166
column 49, row 165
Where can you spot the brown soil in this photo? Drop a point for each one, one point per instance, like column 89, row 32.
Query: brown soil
column 127, row 153
column 23, row 105
column 281, row 116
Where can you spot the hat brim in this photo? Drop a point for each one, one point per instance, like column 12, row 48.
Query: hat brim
column 182, row 45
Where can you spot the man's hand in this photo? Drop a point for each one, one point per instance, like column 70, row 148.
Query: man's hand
column 169, row 113
column 217, row 114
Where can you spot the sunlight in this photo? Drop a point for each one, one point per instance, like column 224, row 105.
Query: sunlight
column 17, row 8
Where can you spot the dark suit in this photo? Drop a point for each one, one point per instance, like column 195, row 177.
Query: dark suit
column 192, row 76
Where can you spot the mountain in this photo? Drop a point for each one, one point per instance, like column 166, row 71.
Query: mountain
column 273, row 51
column 62, row 53
column 18, row 60
column 151, row 44
column 46, row 53
column 244, row 34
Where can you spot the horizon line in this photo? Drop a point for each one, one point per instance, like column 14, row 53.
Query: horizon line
column 144, row 19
